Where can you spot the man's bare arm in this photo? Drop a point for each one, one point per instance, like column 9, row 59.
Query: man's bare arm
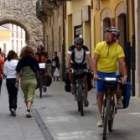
column 122, row 65
column 90, row 61
column 68, row 61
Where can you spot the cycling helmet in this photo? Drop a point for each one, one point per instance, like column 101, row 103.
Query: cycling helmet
column 79, row 40
column 40, row 48
column 114, row 31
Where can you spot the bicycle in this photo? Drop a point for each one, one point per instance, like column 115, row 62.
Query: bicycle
column 42, row 79
column 80, row 88
column 109, row 103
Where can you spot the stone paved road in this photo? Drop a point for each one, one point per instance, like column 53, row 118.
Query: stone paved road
column 65, row 123
column 56, row 115
column 19, row 127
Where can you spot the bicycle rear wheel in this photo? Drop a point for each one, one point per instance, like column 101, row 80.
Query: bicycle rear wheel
column 110, row 125
column 106, row 117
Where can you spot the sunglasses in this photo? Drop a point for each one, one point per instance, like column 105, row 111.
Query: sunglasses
column 79, row 44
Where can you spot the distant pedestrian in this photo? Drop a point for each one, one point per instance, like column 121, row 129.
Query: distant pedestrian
column 27, row 68
column 1, row 71
column 55, row 67
column 2, row 53
column 10, row 73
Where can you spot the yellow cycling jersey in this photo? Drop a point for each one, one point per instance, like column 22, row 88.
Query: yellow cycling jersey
column 109, row 55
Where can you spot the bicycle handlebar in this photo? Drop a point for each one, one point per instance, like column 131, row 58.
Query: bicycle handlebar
column 73, row 70
column 110, row 79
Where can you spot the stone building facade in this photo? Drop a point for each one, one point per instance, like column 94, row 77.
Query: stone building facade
column 53, row 29
column 52, row 15
column 23, row 14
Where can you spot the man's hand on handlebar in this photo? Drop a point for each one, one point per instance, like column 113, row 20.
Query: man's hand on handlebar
column 95, row 76
column 70, row 70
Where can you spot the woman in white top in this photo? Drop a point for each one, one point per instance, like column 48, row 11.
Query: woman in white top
column 10, row 73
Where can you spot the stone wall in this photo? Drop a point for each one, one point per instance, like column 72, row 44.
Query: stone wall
column 23, row 14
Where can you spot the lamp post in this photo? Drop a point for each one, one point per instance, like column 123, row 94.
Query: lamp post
column 63, row 44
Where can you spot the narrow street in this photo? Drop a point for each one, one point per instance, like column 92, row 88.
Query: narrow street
column 55, row 117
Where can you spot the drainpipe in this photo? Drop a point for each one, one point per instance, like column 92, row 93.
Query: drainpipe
column 133, row 64
column 63, row 45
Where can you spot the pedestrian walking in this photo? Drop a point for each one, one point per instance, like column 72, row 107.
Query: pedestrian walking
column 55, row 67
column 26, row 69
column 10, row 73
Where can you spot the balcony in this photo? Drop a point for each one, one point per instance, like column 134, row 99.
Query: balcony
column 43, row 9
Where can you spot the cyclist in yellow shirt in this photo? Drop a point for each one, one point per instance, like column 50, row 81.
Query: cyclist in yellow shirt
column 107, row 55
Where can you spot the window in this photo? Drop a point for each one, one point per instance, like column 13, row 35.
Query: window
column 12, row 44
column 12, row 30
column 17, row 31
column 78, row 31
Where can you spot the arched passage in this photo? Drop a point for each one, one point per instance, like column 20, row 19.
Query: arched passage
column 18, row 24
column 122, row 28
column 121, row 22
column 105, row 20
column 106, row 23
column 23, row 14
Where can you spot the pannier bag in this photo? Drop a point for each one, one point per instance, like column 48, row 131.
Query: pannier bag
column 48, row 80
column 89, row 81
column 67, row 83
column 126, row 94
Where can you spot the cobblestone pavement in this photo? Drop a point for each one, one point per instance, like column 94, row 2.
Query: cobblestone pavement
column 65, row 123
column 55, row 117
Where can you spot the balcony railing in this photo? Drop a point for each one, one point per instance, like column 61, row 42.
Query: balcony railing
column 43, row 9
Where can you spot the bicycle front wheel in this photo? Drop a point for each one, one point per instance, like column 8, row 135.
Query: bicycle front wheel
column 112, row 114
column 106, row 117
column 80, row 98
column 40, row 85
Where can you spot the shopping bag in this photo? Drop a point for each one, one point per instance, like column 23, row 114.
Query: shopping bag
column 126, row 94
column 56, row 72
